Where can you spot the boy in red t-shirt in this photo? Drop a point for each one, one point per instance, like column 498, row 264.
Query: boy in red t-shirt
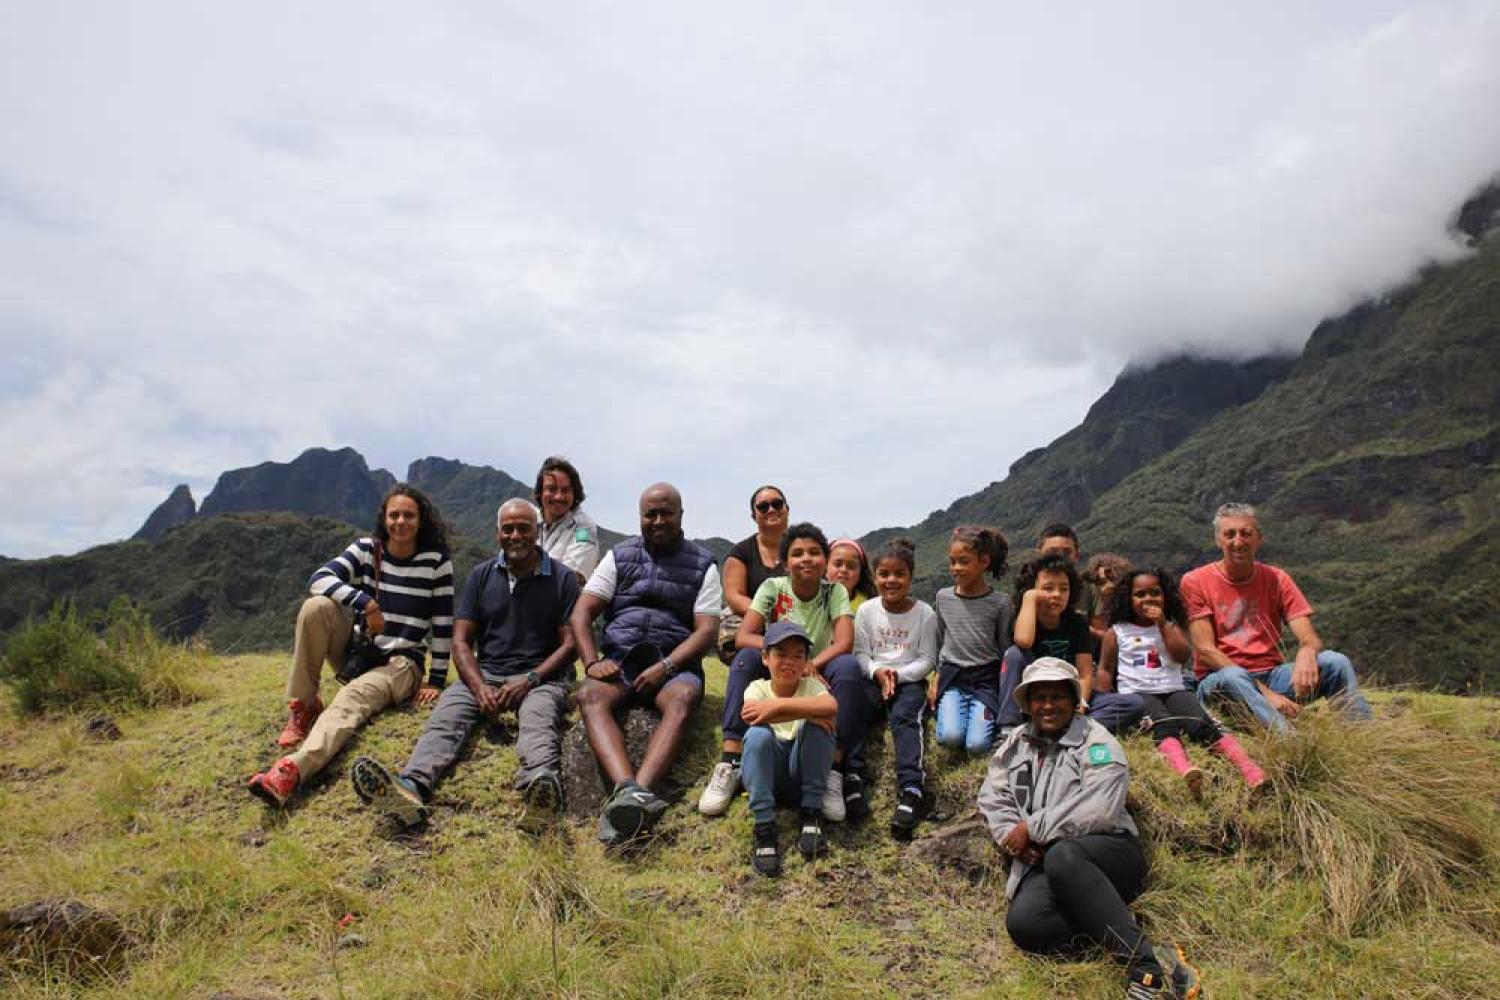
column 1236, row 609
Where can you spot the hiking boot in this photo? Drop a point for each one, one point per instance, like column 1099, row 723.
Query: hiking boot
column 393, row 795
column 723, row 786
column 765, row 856
column 833, row 797
column 910, row 811
column 542, row 798
column 810, row 841
column 632, row 810
column 276, row 784
column 856, row 806
column 1183, row 977
column 299, row 720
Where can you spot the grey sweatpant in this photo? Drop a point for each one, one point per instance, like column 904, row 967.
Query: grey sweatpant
column 457, row 713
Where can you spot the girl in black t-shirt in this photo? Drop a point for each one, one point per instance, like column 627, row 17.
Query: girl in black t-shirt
column 1048, row 624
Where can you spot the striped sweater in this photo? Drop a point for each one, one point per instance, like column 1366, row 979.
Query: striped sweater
column 416, row 597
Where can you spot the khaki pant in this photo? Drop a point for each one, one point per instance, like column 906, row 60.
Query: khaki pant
column 323, row 630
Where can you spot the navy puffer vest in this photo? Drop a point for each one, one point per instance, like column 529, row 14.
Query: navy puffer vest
column 654, row 596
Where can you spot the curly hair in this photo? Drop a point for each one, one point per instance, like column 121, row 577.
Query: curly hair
column 903, row 550
column 432, row 530
column 1171, row 598
column 984, row 542
column 802, row 530
column 1027, row 575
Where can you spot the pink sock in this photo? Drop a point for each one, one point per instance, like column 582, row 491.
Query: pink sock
column 1229, row 748
column 1171, row 748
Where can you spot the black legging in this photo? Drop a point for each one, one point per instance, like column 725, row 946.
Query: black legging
column 1076, row 897
column 1180, row 713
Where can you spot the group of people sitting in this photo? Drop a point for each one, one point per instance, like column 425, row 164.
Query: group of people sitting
column 823, row 643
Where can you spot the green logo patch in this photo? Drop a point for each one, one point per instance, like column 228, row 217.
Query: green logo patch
column 580, row 534
column 1099, row 754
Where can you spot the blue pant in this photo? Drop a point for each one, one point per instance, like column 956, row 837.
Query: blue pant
column 792, row 772
column 963, row 721
column 1335, row 678
column 1116, row 712
column 845, row 680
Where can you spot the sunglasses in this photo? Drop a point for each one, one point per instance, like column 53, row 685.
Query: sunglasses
column 766, row 506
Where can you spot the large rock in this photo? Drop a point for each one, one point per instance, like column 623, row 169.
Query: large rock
column 466, row 495
column 178, row 508
column 62, row 934
column 335, row 484
column 963, row 847
column 585, row 787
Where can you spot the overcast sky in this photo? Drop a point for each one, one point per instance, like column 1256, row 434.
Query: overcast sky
column 871, row 252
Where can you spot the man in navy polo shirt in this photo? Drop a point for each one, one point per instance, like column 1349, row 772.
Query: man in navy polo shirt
column 660, row 596
column 514, row 652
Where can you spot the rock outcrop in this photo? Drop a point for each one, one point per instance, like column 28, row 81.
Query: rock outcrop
column 178, row 508
column 336, row 484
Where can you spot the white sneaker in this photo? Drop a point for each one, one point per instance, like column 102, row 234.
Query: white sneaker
column 723, row 786
column 833, row 797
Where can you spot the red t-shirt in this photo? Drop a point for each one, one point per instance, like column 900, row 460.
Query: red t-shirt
column 1247, row 617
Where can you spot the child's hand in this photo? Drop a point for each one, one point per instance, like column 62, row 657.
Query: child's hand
column 1030, row 597
column 886, row 678
column 1151, row 611
column 755, row 712
column 932, row 686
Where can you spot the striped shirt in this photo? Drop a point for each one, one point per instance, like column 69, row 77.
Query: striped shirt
column 416, row 598
column 973, row 631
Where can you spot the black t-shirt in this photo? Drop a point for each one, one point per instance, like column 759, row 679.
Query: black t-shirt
column 756, row 572
column 1070, row 638
column 517, row 629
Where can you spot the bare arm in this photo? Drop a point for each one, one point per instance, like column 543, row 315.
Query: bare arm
column 752, row 633
column 1085, row 664
column 1024, row 631
column 1175, row 640
column 1305, row 666
column 737, row 586
column 1206, row 646
column 585, row 610
column 769, row 710
column 468, row 666
column 1109, row 658
column 843, row 642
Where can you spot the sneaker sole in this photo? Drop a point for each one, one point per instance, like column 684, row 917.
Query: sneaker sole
column 628, row 819
column 263, row 792
column 376, row 788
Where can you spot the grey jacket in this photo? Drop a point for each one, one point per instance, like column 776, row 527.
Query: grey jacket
column 1062, row 789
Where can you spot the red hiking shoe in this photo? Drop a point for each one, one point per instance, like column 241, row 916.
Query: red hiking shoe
column 276, row 784
column 299, row 722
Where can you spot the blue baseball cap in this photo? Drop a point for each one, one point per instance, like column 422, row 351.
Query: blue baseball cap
column 784, row 630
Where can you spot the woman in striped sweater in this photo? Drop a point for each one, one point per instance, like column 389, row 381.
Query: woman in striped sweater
column 397, row 587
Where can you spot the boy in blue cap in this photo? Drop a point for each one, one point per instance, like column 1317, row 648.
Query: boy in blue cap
column 788, row 745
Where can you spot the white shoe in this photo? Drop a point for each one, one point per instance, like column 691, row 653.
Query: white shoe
column 723, row 786
column 833, row 797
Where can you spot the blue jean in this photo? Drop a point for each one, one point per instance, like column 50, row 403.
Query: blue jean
column 1335, row 678
column 792, row 772
column 963, row 721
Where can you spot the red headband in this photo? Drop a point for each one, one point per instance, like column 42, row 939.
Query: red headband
column 848, row 541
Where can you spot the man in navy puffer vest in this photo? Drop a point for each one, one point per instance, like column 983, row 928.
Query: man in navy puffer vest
column 660, row 595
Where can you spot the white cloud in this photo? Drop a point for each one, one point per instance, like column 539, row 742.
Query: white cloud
column 869, row 251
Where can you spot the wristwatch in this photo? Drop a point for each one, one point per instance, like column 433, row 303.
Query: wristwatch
column 669, row 666
column 533, row 678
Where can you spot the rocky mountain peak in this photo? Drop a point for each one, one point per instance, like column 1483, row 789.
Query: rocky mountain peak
column 178, row 508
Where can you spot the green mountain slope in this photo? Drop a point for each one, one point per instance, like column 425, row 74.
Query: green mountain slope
column 236, row 579
column 1377, row 467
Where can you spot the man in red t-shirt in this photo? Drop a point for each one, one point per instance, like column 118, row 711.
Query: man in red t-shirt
column 1236, row 608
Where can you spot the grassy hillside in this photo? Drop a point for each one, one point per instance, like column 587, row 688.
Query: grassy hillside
column 227, row 899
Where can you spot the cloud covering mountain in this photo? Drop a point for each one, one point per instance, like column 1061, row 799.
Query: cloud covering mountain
column 872, row 252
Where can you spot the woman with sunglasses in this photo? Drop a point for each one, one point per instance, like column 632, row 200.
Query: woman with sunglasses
column 752, row 562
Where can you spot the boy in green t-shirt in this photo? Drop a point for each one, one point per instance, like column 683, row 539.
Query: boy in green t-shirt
column 788, row 745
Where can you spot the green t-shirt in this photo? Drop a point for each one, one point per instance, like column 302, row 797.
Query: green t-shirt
column 808, row 687
column 775, row 601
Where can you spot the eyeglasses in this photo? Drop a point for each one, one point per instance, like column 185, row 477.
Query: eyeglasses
column 766, row 506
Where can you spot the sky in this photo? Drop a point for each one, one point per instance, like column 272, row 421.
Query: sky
column 871, row 252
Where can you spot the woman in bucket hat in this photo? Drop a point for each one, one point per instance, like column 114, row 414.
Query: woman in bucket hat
column 1054, row 799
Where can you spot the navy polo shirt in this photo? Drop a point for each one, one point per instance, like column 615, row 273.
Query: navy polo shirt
column 517, row 629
